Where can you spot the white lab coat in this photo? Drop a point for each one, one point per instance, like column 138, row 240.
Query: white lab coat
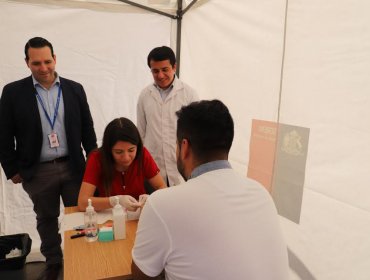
column 157, row 123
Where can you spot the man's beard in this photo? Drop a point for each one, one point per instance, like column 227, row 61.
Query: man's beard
column 181, row 168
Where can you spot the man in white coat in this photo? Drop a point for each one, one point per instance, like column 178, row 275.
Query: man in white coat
column 156, row 108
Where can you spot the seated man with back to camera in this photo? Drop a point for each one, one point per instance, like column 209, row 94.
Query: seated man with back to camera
column 218, row 224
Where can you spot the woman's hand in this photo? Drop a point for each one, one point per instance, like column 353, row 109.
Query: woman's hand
column 142, row 199
column 127, row 201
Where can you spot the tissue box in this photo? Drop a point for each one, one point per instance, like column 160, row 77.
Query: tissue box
column 21, row 241
column 105, row 234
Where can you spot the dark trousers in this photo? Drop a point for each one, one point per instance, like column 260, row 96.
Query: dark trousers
column 49, row 183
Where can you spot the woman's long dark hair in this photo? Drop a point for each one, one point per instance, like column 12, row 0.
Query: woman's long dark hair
column 120, row 129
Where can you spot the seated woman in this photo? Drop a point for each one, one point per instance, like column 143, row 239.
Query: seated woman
column 119, row 168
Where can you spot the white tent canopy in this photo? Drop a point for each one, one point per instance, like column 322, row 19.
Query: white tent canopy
column 302, row 63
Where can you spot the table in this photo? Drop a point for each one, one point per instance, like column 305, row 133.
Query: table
column 98, row 260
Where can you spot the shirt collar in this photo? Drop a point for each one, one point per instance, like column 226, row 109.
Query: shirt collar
column 56, row 81
column 169, row 88
column 209, row 166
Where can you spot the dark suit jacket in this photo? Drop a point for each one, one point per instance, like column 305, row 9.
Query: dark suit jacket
column 20, row 121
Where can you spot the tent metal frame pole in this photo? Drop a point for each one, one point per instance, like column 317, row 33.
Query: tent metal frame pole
column 148, row 9
column 189, row 6
column 179, row 14
column 178, row 37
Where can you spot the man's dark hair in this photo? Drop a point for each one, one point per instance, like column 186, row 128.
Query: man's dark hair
column 208, row 126
column 162, row 53
column 37, row 42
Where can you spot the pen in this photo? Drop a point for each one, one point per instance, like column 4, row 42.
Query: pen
column 80, row 234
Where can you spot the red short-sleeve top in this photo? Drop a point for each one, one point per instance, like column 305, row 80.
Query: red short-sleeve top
column 130, row 182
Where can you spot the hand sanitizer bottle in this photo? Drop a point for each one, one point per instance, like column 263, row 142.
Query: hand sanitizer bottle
column 91, row 223
column 119, row 220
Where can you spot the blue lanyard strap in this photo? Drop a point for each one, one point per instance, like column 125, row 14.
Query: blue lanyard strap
column 56, row 107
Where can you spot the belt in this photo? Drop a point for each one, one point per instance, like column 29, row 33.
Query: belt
column 56, row 160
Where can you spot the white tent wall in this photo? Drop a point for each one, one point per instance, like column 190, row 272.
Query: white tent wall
column 329, row 66
column 326, row 88
column 233, row 50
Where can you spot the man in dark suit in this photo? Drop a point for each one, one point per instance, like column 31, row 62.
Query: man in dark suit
column 44, row 119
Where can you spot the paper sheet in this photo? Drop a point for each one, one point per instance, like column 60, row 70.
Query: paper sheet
column 72, row 220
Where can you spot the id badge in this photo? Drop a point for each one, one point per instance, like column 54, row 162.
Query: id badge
column 53, row 140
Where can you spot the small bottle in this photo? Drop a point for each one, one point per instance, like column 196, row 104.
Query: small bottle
column 91, row 223
column 119, row 220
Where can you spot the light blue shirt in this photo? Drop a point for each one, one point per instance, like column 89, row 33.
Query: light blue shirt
column 209, row 166
column 49, row 99
column 165, row 92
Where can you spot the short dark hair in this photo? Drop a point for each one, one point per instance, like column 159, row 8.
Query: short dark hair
column 37, row 42
column 162, row 53
column 208, row 126
column 120, row 129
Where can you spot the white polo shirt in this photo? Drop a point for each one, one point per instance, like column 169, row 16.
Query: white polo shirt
column 218, row 225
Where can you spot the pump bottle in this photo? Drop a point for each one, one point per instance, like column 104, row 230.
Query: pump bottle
column 119, row 220
column 91, row 223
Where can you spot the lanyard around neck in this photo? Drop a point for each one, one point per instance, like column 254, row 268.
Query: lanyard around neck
column 52, row 123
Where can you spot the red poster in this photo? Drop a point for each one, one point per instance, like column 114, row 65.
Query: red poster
column 262, row 152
